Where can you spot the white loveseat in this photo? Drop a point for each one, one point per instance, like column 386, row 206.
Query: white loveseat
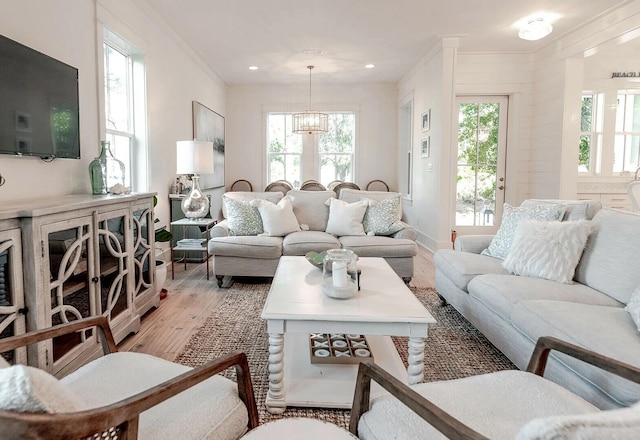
column 257, row 255
column 514, row 311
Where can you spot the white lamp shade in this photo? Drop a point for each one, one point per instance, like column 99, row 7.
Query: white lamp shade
column 194, row 157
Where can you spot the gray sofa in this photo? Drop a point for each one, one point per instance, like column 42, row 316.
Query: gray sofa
column 514, row 311
column 258, row 256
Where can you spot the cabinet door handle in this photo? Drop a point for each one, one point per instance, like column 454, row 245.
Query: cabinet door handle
column 95, row 279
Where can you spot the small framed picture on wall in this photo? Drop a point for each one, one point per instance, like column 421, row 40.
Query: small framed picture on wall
column 425, row 147
column 426, row 120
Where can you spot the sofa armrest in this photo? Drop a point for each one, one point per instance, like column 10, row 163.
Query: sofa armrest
column 408, row 232
column 472, row 243
column 220, row 229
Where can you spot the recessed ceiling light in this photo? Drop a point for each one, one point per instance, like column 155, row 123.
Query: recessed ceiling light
column 312, row 52
column 253, row 67
column 535, row 29
column 369, row 66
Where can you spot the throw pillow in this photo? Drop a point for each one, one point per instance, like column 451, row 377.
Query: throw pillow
column 634, row 307
column 621, row 424
column 242, row 218
column 511, row 218
column 549, row 250
column 277, row 220
column 383, row 217
column 28, row 389
column 345, row 218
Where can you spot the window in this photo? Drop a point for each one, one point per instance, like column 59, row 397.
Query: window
column 124, row 98
column 295, row 157
column 627, row 135
column 590, row 131
column 337, row 147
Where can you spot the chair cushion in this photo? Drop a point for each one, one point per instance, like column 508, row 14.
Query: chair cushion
column 31, row 390
column 380, row 246
column 619, row 424
column 254, row 247
column 209, row 410
column 299, row 243
column 497, row 405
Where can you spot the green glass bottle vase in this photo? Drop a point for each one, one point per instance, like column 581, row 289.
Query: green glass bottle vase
column 105, row 170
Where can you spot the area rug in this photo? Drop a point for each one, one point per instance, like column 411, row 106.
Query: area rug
column 453, row 349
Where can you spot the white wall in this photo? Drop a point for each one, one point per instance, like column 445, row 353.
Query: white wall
column 70, row 31
column 374, row 104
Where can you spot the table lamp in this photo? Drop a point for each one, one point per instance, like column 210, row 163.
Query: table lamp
column 193, row 158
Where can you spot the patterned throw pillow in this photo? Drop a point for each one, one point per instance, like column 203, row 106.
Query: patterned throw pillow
column 383, row 217
column 243, row 219
column 511, row 218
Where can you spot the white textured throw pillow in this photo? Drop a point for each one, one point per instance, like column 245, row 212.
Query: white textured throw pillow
column 618, row 424
column 634, row 307
column 277, row 220
column 345, row 218
column 511, row 218
column 383, row 217
column 28, row 389
column 549, row 250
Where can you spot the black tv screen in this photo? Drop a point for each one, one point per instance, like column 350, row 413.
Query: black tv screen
column 39, row 113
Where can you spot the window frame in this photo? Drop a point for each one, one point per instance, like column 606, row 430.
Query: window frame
column 595, row 133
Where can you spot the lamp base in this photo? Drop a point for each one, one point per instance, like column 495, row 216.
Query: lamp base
column 196, row 204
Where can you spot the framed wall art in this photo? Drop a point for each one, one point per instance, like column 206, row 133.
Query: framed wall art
column 425, row 147
column 426, row 120
column 209, row 126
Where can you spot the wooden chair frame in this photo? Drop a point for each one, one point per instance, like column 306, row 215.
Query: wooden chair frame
column 443, row 421
column 122, row 415
column 241, row 182
column 374, row 182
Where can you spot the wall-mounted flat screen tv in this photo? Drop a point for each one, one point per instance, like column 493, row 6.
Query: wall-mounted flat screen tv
column 39, row 113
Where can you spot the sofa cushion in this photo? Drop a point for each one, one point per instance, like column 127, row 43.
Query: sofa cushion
column 246, row 246
column 549, row 250
column 575, row 209
column 462, row 267
column 247, row 196
column 633, row 307
column 511, row 218
column 277, row 220
column 501, row 293
column 299, row 243
column 345, row 218
column 379, row 246
column 611, row 259
column 353, row 195
column 606, row 330
column 310, row 208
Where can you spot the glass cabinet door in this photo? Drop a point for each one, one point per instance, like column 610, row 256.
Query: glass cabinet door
column 12, row 308
column 144, row 292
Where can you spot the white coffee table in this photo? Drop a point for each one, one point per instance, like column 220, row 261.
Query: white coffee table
column 296, row 307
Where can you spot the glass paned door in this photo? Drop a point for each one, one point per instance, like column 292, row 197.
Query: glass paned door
column 480, row 169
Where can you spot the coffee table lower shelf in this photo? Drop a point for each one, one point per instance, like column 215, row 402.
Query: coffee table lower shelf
column 330, row 385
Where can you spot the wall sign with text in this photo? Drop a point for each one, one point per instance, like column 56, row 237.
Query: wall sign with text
column 625, row 75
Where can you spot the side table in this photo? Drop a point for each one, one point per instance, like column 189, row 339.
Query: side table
column 192, row 244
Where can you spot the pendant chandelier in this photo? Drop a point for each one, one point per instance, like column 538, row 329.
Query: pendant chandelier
column 310, row 121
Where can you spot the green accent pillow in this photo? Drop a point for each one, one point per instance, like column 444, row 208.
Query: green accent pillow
column 383, row 217
column 243, row 219
column 511, row 218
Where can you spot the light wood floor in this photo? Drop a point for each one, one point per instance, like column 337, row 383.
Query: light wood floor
column 191, row 298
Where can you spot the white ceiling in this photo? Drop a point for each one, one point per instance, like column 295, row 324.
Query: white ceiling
column 231, row 35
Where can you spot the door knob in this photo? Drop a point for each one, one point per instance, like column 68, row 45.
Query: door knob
column 501, row 187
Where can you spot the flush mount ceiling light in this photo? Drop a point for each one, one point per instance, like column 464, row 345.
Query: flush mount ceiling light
column 310, row 121
column 535, row 29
